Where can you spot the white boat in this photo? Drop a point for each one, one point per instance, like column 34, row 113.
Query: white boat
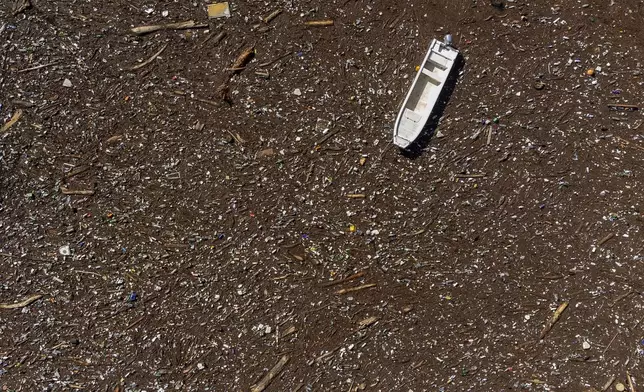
column 424, row 92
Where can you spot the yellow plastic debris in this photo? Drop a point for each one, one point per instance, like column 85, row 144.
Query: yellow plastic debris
column 218, row 10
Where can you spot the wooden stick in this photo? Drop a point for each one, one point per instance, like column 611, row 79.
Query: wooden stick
column 623, row 106
column 199, row 359
column 478, row 132
column 356, row 196
column 609, row 343
column 236, row 137
column 134, row 323
column 564, row 115
column 244, row 57
column 38, row 67
column 22, row 304
column 289, row 331
column 470, row 175
column 272, row 16
column 319, row 23
column 77, row 171
column 352, row 289
column 553, row 320
column 276, row 60
column 89, row 273
column 115, row 138
column 14, row 119
column 20, row 6
column 217, row 39
column 66, row 191
column 326, row 355
column 552, row 276
column 310, row 172
column 610, row 382
column 190, row 24
column 605, row 239
column 203, row 100
column 362, row 324
column 347, row 279
column 627, row 143
column 621, row 297
column 23, row 257
column 327, row 137
column 268, row 377
column 489, row 136
column 151, row 59
column 631, row 387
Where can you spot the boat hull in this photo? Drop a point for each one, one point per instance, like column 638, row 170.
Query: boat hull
column 424, row 93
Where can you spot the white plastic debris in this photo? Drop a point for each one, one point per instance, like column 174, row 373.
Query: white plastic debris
column 297, row 92
column 65, row 250
column 67, row 83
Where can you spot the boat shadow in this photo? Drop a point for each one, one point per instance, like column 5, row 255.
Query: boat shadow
column 417, row 148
